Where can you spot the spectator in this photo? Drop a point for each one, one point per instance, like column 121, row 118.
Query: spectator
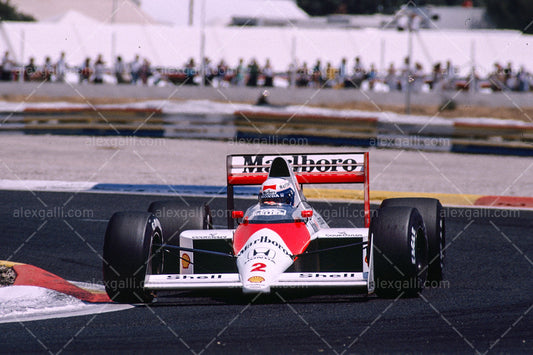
column 253, row 73
column 317, row 78
column 222, row 74
column 135, row 67
column 190, row 72
column 238, row 78
column 269, row 74
column 99, row 70
column 511, row 82
column 145, row 71
column 120, row 71
column 342, row 74
column 372, row 77
column 524, row 79
column 392, row 79
column 419, row 78
column 497, row 78
column 7, row 68
column 331, row 75
column 85, row 71
column 302, row 76
column 30, row 70
column 209, row 72
column 61, row 68
column 359, row 73
column 47, row 70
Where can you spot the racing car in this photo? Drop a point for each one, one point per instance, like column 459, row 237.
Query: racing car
column 280, row 241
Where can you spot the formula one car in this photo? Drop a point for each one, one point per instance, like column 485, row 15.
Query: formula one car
column 280, row 241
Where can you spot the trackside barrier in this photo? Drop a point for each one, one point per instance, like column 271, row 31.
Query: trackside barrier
column 85, row 120
column 486, row 138
column 452, row 136
column 278, row 128
column 104, row 121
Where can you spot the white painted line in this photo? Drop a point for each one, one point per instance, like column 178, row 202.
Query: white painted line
column 46, row 185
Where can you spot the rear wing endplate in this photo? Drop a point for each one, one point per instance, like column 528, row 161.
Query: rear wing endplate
column 309, row 168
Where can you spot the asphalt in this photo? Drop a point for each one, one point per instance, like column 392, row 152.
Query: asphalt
column 483, row 306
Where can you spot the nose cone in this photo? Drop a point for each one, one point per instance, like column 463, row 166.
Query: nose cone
column 261, row 261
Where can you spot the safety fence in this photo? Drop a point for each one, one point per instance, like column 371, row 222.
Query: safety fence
column 277, row 127
column 85, row 120
column 453, row 136
column 105, row 121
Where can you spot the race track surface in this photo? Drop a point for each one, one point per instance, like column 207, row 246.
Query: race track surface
column 485, row 304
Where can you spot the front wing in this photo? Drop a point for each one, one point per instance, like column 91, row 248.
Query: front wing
column 286, row 280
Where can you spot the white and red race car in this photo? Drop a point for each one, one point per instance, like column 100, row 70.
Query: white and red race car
column 280, row 241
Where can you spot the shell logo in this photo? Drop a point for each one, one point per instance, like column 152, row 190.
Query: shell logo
column 185, row 261
column 256, row 279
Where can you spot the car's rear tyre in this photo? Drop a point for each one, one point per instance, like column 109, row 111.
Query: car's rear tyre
column 129, row 254
column 175, row 218
column 399, row 245
column 433, row 216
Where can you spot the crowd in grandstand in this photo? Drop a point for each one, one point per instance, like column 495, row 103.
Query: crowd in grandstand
column 344, row 75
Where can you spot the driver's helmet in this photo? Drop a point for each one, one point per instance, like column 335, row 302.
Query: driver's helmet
column 276, row 191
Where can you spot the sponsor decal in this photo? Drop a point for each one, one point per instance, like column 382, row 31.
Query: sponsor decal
column 264, row 253
column 265, row 239
column 270, row 212
column 212, row 235
column 302, row 163
column 185, row 260
column 256, row 279
column 269, row 187
column 342, row 234
column 194, row 277
column 326, row 275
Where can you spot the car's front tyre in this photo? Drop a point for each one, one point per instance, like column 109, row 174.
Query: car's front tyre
column 400, row 252
column 130, row 252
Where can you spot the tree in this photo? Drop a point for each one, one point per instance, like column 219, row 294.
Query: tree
column 326, row 7
column 512, row 14
column 9, row 13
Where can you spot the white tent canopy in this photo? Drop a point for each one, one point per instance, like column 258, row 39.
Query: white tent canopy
column 118, row 11
column 171, row 46
column 220, row 12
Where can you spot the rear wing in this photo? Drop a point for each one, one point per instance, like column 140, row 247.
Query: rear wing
column 309, row 168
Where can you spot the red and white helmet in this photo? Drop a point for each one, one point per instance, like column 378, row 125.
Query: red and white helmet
column 277, row 191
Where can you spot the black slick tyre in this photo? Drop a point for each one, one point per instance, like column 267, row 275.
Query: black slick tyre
column 399, row 245
column 129, row 254
column 433, row 216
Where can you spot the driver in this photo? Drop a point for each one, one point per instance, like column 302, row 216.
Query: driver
column 276, row 191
